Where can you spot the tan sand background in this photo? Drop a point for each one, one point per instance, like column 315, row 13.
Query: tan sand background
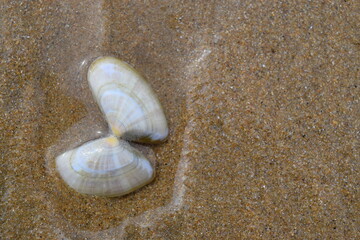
column 262, row 99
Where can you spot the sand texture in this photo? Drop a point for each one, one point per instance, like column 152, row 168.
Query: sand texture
column 262, row 100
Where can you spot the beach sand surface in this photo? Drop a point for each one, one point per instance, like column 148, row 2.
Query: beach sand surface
column 262, row 101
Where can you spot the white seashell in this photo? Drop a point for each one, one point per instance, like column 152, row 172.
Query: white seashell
column 131, row 108
column 105, row 167
column 109, row 166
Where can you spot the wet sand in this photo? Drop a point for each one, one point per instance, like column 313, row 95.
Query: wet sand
column 262, row 99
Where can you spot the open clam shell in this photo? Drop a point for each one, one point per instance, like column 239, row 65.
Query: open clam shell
column 105, row 167
column 132, row 110
column 110, row 166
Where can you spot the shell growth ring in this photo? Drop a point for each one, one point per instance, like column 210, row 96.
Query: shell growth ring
column 110, row 166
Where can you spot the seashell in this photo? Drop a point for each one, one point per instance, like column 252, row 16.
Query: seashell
column 110, row 166
column 131, row 108
column 105, row 167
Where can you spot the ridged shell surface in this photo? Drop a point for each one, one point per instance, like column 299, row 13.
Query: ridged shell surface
column 105, row 167
column 131, row 108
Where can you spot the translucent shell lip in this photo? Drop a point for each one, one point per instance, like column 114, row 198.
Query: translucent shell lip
column 129, row 104
column 105, row 167
column 110, row 166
